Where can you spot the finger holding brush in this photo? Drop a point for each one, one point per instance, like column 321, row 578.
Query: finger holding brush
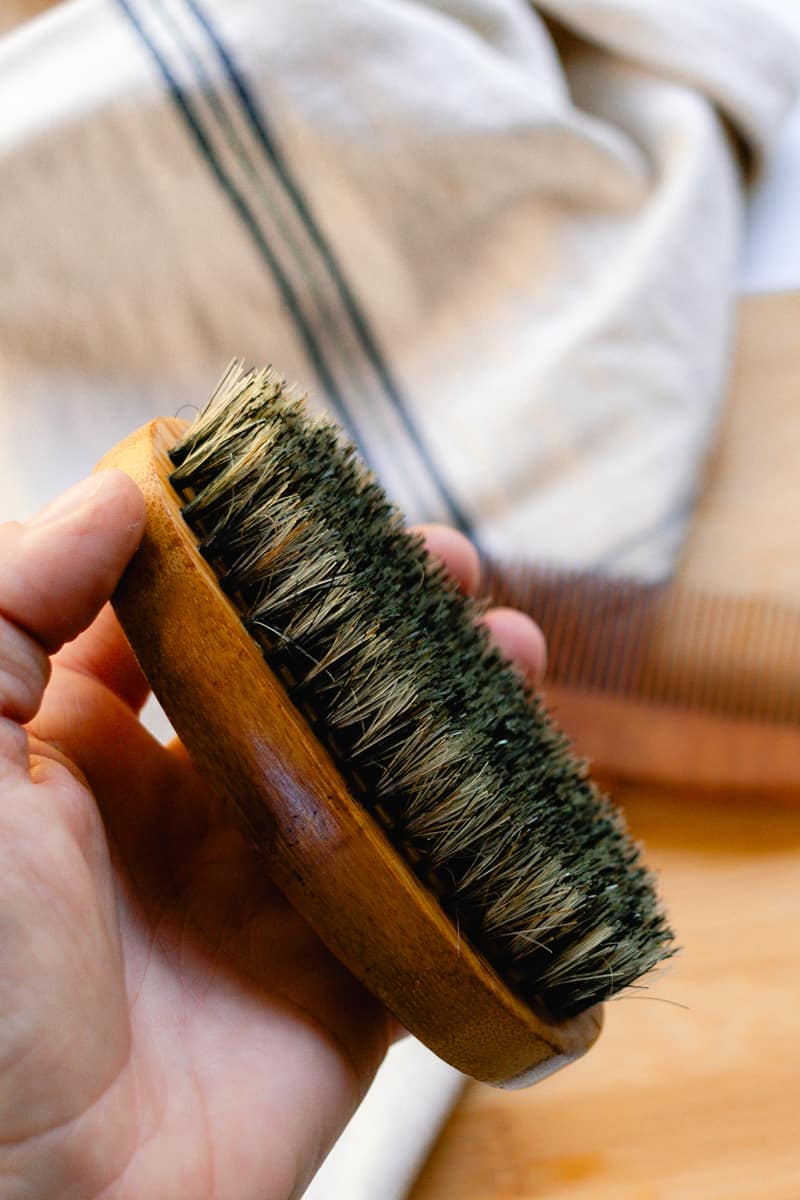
column 168, row 1025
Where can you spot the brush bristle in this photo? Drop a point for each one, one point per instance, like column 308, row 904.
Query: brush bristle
column 434, row 732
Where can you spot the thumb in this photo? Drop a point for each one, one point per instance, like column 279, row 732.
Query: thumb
column 56, row 572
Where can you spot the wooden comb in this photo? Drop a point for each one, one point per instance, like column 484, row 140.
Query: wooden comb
column 667, row 684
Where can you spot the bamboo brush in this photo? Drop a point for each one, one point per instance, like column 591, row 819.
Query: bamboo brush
column 407, row 793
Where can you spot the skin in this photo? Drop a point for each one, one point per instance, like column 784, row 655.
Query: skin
column 169, row 1027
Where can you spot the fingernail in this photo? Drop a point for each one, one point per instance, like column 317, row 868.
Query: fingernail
column 71, row 501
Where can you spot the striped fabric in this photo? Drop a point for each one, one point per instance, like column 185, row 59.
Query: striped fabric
column 232, row 135
column 505, row 272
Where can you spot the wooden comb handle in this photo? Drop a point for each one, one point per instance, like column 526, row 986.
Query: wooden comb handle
column 320, row 846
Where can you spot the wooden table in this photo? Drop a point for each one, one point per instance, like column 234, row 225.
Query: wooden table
column 693, row 1091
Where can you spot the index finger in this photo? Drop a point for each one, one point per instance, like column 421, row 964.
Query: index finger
column 102, row 652
column 55, row 573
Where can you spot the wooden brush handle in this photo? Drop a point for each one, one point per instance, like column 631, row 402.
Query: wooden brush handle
column 320, row 846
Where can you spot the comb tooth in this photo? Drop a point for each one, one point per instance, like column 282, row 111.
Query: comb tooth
column 683, row 640
column 698, row 635
column 596, row 653
column 634, row 635
column 738, row 648
column 768, row 691
column 601, row 666
column 776, row 634
column 624, row 646
column 758, row 639
column 641, row 612
column 783, row 696
column 587, row 668
column 794, row 640
column 542, row 606
column 579, row 633
column 746, row 646
column 728, row 645
column 642, row 679
column 767, row 628
column 542, row 603
column 709, row 639
column 553, row 619
column 703, row 678
column 662, row 669
column 780, row 698
column 607, row 603
column 703, row 682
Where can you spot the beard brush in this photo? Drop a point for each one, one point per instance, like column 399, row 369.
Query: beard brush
column 404, row 788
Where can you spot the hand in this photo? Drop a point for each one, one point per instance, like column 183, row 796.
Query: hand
column 169, row 1027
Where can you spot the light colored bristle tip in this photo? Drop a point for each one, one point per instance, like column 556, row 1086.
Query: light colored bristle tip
column 436, row 735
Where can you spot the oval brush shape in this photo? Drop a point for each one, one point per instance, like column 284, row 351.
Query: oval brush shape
column 408, row 795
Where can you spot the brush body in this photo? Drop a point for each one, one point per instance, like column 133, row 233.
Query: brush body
column 409, row 794
column 329, row 857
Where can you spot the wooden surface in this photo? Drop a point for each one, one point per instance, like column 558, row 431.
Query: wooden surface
column 746, row 534
column 16, row 12
column 693, row 1091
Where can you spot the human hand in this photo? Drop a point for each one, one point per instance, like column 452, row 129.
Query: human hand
column 169, row 1027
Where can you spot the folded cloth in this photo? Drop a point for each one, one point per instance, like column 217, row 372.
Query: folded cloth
column 508, row 273
column 497, row 241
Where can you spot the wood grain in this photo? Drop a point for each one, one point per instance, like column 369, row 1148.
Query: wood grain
column 693, row 1091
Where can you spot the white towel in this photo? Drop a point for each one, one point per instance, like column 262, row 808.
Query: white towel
column 508, row 273
column 498, row 241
